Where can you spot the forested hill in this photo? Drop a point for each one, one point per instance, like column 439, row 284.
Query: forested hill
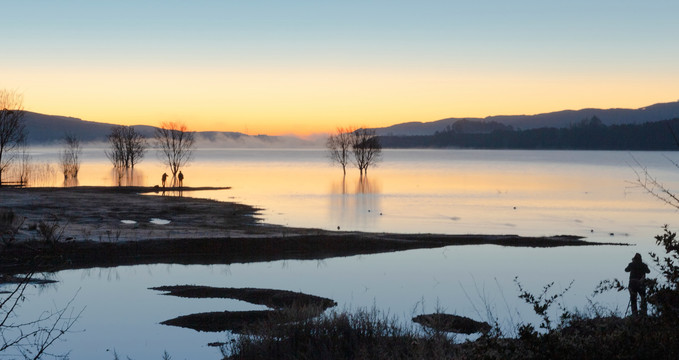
column 557, row 119
column 590, row 134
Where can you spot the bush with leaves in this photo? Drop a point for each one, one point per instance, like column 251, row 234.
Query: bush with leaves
column 663, row 293
column 542, row 302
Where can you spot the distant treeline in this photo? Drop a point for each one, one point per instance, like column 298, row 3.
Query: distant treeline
column 589, row 134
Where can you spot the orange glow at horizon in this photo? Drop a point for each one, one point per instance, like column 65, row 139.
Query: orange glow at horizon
column 308, row 101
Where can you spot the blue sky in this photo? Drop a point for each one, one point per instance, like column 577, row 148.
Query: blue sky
column 308, row 66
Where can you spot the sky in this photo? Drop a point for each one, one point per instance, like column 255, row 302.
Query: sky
column 306, row 67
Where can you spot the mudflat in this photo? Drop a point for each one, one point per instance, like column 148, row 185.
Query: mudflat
column 112, row 214
column 79, row 227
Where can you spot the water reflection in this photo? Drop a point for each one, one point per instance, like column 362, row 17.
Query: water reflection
column 176, row 193
column 359, row 206
column 70, row 181
column 428, row 190
column 362, row 185
column 367, row 186
column 121, row 176
column 108, row 274
column 32, row 174
column 473, row 281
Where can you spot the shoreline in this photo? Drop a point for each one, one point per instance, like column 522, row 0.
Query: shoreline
column 88, row 222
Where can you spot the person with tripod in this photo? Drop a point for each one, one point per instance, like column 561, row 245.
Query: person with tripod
column 637, row 270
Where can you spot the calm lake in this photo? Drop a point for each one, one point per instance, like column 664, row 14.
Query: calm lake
column 411, row 191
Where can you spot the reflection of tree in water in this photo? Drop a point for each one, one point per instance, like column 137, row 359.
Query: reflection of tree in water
column 108, row 274
column 362, row 185
column 357, row 209
column 71, row 181
column 121, row 176
column 33, row 174
column 366, row 186
column 337, row 188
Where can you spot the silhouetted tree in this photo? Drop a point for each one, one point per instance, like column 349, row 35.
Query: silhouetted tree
column 127, row 147
column 175, row 144
column 24, row 170
column 116, row 151
column 339, row 147
column 136, row 146
column 70, row 157
column 366, row 148
column 22, row 337
column 12, row 127
column 31, row 339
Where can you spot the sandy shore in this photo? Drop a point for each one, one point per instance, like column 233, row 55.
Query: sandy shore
column 110, row 226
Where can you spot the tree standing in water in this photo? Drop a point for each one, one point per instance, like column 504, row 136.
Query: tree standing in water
column 135, row 145
column 126, row 147
column 339, row 147
column 366, row 148
column 175, row 144
column 12, row 127
column 70, row 157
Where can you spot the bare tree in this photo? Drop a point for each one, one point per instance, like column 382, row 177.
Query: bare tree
column 655, row 187
column 116, row 151
column 176, row 144
column 127, row 147
column 136, row 145
column 24, row 170
column 70, row 157
column 339, row 147
column 22, row 336
column 366, row 148
column 31, row 339
column 12, row 127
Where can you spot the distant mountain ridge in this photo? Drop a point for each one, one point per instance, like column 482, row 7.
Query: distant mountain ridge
column 46, row 129
column 558, row 119
column 50, row 129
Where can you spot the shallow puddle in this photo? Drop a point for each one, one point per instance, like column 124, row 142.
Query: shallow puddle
column 157, row 221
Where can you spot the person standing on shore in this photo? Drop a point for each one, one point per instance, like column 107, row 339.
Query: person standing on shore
column 180, row 177
column 163, row 179
column 637, row 270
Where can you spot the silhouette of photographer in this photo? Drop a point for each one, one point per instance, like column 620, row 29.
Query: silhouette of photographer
column 637, row 270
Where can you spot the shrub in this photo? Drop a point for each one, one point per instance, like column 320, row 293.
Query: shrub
column 663, row 293
column 9, row 226
column 50, row 231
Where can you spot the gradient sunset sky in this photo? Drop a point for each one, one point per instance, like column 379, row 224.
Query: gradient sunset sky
column 280, row 67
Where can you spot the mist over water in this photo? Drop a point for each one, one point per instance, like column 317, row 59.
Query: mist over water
column 582, row 193
column 587, row 193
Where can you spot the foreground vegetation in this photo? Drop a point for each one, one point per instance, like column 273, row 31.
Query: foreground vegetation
column 368, row 335
column 593, row 334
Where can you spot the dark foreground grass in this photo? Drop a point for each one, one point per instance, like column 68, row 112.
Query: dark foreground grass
column 361, row 334
column 369, row 335
column 584, row 338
